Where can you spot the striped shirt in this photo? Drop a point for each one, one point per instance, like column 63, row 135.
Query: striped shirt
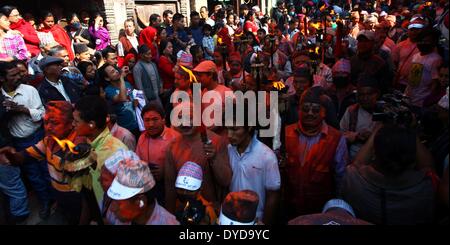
column 12, row 45
column 48, row 150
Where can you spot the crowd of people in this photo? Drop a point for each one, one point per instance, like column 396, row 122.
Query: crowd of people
column 361, row 124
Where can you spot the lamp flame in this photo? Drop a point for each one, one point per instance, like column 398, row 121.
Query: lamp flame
column 66, row 144
column 279, row 85
column 192, row 77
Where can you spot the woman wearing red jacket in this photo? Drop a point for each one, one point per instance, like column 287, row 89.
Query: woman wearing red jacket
column 27, row 31
column 59, row 34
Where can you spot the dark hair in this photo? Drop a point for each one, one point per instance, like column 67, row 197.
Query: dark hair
column 262, row 30
column 93, row 108
column 167, row 12
column 153, row 18
column 102, row 72
column 107, row 50
column 46, row 14
column 5, row 66
column 70, row 16
column 194, row 49
column 83, row 65
column 7, row 9
column 249, row 15
column 395, row 149
column 2, row 14
column 55, row 50
column 246, row 107
column 92, row 90
column 153, row 106
column 177, row 17
column 430, row 32
column 194, row 13
column 206, row 27
column 93, row 17
column 244, row 7
column 163, row 45
column 160, row 29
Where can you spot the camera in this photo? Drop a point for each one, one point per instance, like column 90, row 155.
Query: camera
column 393, row 108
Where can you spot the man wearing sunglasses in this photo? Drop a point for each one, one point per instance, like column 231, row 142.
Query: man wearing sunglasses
column 316, row 157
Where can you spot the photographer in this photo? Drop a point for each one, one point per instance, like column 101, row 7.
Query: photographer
column 357, row 123
column 396, row 184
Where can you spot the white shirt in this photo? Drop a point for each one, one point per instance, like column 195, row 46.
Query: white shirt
column 22, row 125
column 59, row 86
column 256, row 169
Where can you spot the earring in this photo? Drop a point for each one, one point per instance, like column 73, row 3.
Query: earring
column 91, row 125
column 141, row 203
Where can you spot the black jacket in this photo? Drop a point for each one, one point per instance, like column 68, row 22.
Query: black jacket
column 49, row 93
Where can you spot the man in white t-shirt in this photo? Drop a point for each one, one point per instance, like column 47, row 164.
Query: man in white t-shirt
column 424, row 72
column 255, row 167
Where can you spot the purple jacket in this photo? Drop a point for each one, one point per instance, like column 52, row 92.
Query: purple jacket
column 101, row 37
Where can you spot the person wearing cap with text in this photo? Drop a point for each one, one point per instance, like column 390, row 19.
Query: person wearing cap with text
column 133, row 199
column 239, row 208
column 192, row 208
column 316, row 156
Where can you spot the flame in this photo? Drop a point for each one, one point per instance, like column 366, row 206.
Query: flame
column 321, row 9
column 278, row 85
column 219, row 40
column 317, row 50
column 192, row 77
column 66, row 144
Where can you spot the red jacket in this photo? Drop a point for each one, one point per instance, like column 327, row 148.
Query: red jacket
column 60, row 35
column 166, row 72
column 29, row 36
column 309, row 185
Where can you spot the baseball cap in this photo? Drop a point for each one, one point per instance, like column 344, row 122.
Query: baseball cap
column 206, row 66
column 133, row 177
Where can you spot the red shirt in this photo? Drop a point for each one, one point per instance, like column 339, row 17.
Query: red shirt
column 250, row 25
column 166, row 71
column 29, row 36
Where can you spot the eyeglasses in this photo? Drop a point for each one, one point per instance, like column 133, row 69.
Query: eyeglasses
column 307, row 107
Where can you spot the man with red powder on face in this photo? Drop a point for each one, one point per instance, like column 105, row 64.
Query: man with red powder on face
column 212, row 157
column 71, row 199
column 316, row 158
column 153, row 143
